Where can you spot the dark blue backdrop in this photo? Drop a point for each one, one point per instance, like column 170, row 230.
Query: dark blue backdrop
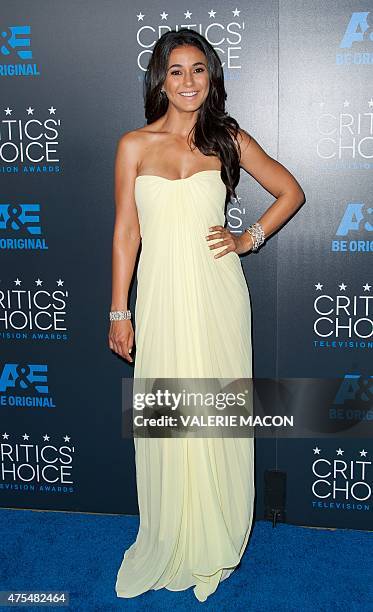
column 298, row 79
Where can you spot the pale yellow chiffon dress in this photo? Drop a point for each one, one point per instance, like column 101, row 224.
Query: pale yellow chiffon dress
column 192, row 319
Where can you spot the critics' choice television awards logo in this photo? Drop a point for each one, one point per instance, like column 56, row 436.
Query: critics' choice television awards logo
column 25, row 385
column 344, row 134
column 36, row 313
column 356, row 41
column 343, row 317
column 30, row 141
column 341, row 483
column 223, row 29
column 29, row 466
column 355, row 229
column 236, row 215
column 16, row 58
column 20, row 227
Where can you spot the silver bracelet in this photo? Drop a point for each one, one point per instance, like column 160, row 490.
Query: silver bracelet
column 257, row 233
column 118, row 315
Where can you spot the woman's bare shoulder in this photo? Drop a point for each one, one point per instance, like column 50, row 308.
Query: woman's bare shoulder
column 130, row 137
column 132, row 140
column 133, row 144
column 129, row 144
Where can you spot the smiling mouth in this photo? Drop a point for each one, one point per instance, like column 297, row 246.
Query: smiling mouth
column 188, row 94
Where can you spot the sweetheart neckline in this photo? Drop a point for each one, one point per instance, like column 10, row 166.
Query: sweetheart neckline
column 175, row 180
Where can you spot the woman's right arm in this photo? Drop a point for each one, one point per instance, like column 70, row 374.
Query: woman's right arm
column 126, row 241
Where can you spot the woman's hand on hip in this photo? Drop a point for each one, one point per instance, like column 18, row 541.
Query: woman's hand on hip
column 237, row 244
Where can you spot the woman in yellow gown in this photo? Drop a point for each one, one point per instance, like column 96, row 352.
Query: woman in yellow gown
column 193, row 312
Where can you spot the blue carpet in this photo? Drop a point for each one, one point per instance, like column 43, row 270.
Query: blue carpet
column 284, row 569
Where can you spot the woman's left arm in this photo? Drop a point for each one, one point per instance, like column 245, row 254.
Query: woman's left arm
column 276, row 179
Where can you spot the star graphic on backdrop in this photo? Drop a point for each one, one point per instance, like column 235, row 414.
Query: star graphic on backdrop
column 316, row 450
column 236, row 12
column 319, row 286
column 366, row 287
column 187, row 15
column 140, row 16
column 164, row 15
column 212, row 13
column 340, row 451
column 30, row 111
column 8, row 111
column 342, row 287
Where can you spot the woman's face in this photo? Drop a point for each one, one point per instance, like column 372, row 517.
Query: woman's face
column 187, row 73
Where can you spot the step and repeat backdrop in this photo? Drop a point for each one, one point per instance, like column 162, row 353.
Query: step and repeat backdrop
column 298, row 78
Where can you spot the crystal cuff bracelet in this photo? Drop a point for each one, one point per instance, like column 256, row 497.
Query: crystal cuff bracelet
column 257, row 233
column 118, row 315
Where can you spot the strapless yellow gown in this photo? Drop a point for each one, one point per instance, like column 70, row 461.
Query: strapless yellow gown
column 192, row 319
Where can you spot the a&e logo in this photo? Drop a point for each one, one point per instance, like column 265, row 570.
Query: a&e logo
column 25, row 385
column 356, row 32
column 20, row 227
column 355, row 221
column 15, row 45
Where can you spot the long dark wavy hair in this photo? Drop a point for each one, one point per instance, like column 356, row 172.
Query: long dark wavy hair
column 215, row 131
